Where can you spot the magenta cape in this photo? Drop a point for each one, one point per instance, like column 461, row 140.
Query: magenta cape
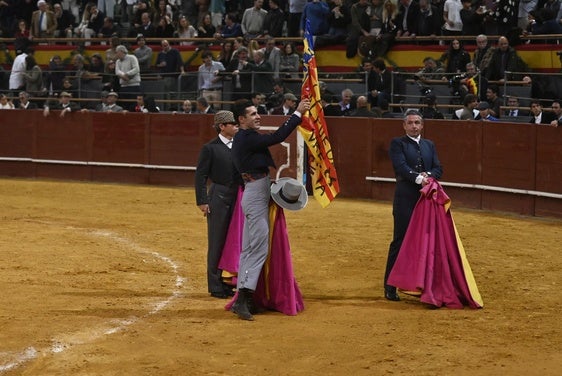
column 277, row 287
column 230, row 257
column 432, row 261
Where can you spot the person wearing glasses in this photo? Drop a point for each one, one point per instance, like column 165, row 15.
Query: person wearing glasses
column 415, row 161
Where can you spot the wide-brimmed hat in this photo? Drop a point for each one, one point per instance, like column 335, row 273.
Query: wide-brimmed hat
column 289, row 193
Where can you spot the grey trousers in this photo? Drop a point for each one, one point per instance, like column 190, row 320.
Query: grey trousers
column 255, row 238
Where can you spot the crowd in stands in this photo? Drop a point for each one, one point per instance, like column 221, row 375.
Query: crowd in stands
column 251, row 59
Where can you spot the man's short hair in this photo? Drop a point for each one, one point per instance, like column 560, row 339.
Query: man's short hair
column 240, row 107
column 122, row 49
column 469, row 98
column 202, row 101
column 207, row 54
column 412, row 111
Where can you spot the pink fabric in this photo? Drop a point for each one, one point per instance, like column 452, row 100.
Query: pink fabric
column 230, row 257
column 284, row 293
column 429, row 260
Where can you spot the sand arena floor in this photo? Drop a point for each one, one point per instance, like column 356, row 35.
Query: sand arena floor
column 100, row 279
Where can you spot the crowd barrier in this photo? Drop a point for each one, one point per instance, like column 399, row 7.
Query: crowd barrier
column 501, row 166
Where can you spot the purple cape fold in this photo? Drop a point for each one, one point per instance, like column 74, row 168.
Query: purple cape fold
column 432, row 260
column 230, row 257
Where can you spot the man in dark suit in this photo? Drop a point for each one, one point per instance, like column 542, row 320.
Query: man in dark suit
column 215, row 164
column 43, row 21
column 383, row 83
column 24, row 103
column 538, row 116
column 414, row 160
column 288, row 106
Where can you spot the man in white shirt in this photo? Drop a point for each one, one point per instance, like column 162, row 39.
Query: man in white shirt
column 209, row 80
column 17, row 79
column 452, row 17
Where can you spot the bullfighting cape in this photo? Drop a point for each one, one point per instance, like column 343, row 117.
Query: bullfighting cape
column 432, row 262
column 277, row 288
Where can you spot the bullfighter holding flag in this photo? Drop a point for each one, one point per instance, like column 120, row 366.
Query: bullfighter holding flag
column 313, row 129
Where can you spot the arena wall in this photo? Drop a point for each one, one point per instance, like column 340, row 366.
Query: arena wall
column 500, row 166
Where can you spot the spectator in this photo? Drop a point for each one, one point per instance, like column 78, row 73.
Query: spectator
column 485, row 112
column 33, row 77
column 17, row 74
column 163, row 10
column 494, row 101
column 68, row 86
column 289, row 61
column 186, row 108
column 169, row 64
column 468, row 112
column 65, row 22
column 261, row 69
column 241, row 77
column 185, row 31
column 472, row 19
column 362, row 109
column 43, row 22
column 346, row 104
column 452, row 17
column 56, row 75
column 385, row 110
column 227, row 53
column 274, row 20
column 505, row 59
column 514, row 110
column 338, row 22
column 523, row 11
column 80, row 30
column 454, row 59
column 145, row 27
column 64, row 104
column 24, row 103
column 209, row 80
column 95, row 22
column 206, row 28
column 383, row 82
column 296, row 8
column 109, row 80
column 253, row 20
column 386, row 37
column 96, row 64
column 544, row 21
column 6, row 103
column 276, row 98
column 23, row 37
column 143, row 54
column 537, row 114
column 217, row 8
column 288, row 106
column 316, row 12
column 273, row 55
column 128, row 70
column 231, row 28
column 409, row 12
column 164, row 28
column 430, row 110
column 360, row 25
column 483, row 54
column 556, row 113
column 471, row 82
column 258, row 100
column 100, row 107
column 145, row 104
column 429, row 20
column 203, row 106
column 111, row 105
column 430, row 71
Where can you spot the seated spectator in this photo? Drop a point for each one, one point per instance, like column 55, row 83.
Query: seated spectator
column 346, row 103
column 63, row 104
column 227, row 53
column 108, row 29
column 505, row 59
column 164, row 29
column 96, row 64
column 289, row 61
column 56, row 75
column 556, row 113
column 454, row 59
column 362, row 109
column 484, row 112
column 537, row 114
column 430, row 71
column 288, row 106
column 276, row 98
column 385, row 110
column 203, row 107
column 146, row 104
column 514, row 110
column 205, row 28
column 468, row 111
column 258, row 100
column 544, row 21
column 145, row 27
column 100, row 107
column 109, row 80
column 111, row 103
column 261, row 72
column 95, row 22
column 6, row 103
column 185, row 31
column 24, row 103
column 231, row 28
column 430, row 110
column 68, row 86
column 186, row 108
column 494, row 100
column 65, row 22
column 383, row 83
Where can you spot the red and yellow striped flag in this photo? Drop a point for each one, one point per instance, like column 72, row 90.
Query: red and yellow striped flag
column 325, row 185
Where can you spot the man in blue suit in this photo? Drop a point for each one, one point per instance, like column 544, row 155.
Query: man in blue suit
column 414, row 160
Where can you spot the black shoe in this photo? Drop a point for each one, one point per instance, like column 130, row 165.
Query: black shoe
column 240, row 306
column 220, row 295
column 229, row 292
column 391, row 295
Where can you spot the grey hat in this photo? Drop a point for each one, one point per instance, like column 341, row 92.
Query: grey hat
column 289, row 193
column 113, row 93
column 483, row 105
column 65, row 94
column 224, row 117
column 290, row 96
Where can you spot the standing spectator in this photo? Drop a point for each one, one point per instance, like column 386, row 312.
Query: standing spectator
column 231, row 28
column 107, row 7
column 43, row 21
column 272, row 54
column 241, row 77
column 143, row 54
column 316, row 12
column 429, row 20
column 65, row 22
column 472, row 19
column 217, row 8
column 17, row 74
column 452, row 17
column 23, row 37
column 360, row 25
column 24, row 103
column 185, row 31
column 296, row 8
column 33, row 77
column 217, row 200
column 261, row 71
column 383, row 82
column 253, row 20
column 227, row 53
column 494, row 100
column 209, row 79
column 274, row 20
column 56, row 75
column 339, row 20
column 252, row 159
column 128, row 70
column 505, row 59
column 455, row 58
column 288, row 106
column 169, row 64
column 289, row 61
column 409, row 12
column 415, row 161
column 482, row 54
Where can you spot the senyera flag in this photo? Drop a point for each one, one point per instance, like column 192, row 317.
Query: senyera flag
column 313, row 129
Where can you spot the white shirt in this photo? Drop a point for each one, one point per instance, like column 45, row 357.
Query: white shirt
column 17, row 79
column 453, row 9
column 226, row 141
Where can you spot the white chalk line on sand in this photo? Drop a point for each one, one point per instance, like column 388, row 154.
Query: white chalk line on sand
column 91, row 334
